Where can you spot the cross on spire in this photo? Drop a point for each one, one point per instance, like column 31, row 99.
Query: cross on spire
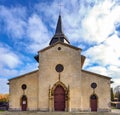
column 60, row 5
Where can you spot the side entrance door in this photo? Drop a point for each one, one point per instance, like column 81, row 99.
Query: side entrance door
column 24, row 103
column 59, row 98
column 93, row 102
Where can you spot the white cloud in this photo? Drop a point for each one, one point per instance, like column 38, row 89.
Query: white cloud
column 37, row 32
column 106, row 53
column 14, row 20
column 12, row 64
column 3, row 86
column 8, row 58
column 18, row 25
column 100, row 21
column 7, row 73
column 89, row 21
column 28, row 68
column 69, row 13
column 114, row 71
column 98, row 69
column 36, row 29
column 116, row 82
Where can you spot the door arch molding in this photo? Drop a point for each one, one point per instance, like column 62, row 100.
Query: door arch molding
column 61, row 84
column 51, row 95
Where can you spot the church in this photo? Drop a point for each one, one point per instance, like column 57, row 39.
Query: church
column 60, row 83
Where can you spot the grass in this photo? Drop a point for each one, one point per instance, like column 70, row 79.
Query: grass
column 1, row 110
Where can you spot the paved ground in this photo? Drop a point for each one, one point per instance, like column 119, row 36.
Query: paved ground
column 114, row 112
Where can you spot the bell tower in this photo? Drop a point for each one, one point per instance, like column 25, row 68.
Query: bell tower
column 59, row 34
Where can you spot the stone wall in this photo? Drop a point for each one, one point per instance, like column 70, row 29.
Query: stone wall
column 102, row 91
column 70, row 58
column 16, row 92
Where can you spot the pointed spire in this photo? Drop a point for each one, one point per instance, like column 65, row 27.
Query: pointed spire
column 59, row 26
column 59, row 35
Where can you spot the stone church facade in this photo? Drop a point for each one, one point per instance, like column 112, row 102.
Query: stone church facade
column 60, row 83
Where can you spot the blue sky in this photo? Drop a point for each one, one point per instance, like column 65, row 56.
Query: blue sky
column 26, row 26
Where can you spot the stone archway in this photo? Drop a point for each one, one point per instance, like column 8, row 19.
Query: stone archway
column 93, row 102
column 59, row 96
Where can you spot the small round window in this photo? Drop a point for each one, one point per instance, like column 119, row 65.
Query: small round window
column 24, row 86
column 59, row 48
column 59, row 68
column 93, row 85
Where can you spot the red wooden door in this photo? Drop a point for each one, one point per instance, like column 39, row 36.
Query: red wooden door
column 24, row 103
column 24, row 106
column 93, row 103
column 59, row 99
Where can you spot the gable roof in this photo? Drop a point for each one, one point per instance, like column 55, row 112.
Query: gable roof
column 99, row 75
column 59, row 42
column 23, row 75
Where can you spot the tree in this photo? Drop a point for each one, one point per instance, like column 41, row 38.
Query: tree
column 117, row 92
column 4, row 97
column 112, row 95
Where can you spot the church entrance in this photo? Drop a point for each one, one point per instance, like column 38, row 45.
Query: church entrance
column 93, row 102
column 24, row 103
column 59, row 98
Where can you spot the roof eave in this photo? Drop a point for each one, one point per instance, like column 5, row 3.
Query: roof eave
column 96, row 74
column 59, row 42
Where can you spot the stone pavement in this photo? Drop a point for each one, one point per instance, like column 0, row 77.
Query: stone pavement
column 114, row 112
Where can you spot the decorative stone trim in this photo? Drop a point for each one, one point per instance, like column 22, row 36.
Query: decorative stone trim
column 51, row 96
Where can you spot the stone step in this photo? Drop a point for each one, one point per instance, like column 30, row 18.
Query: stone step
column 57, row 113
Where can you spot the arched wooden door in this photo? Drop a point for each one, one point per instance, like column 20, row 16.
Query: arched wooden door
column 93, row 102
column 59, row 98
column 24, row 103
